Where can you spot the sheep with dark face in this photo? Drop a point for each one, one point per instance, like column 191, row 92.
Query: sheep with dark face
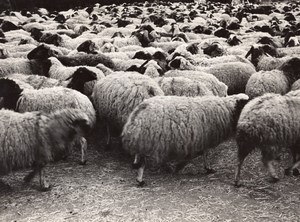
column 76, row 81
column 264, row 57
column 45, row 136
column 44, row 51
column 47, row 100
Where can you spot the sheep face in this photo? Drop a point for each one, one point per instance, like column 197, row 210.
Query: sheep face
column 291, row 69
column 80, row 77
column 42, row 52
column 10, row 91
column 87, row 47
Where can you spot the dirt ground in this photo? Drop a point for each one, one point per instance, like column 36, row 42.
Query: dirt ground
column 105, row 190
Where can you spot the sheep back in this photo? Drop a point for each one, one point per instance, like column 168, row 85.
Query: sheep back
column 116, row 95
column 267, row 82
column 172, row 127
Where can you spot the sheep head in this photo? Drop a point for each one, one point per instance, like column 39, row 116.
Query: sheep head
column 80, row 77
column 11, row 92
column 291, row 69
column 87, row 46
column 42, row 52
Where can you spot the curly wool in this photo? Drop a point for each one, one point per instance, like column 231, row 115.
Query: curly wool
column 56, row 98
column 172, row 127
column 210, row 81
column 44, row 135
column 17, row 65
column 181, row 86
column 269, row 122
column 117, row 95
column 234, row 74
column 267, row 82
column 296, row 85
column 268, row 63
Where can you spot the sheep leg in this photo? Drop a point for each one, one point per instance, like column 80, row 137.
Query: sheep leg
column 140, row 173
column 269, row 165
column 108, row 141
column 268, row 156
column 44, row 185
column 31, row 175
column 293, row 169
column 243, row 151
column 207, row 166
column 137, row 163
column 83, row 145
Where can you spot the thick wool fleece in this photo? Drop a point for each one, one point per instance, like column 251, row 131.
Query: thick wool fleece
column 175, row 128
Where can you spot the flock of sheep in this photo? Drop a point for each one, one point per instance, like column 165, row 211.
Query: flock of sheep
column 172, row 80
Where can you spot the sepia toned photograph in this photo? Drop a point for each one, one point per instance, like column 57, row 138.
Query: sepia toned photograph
column 149, row 111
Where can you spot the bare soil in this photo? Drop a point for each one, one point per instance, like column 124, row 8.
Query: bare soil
column 105, row 190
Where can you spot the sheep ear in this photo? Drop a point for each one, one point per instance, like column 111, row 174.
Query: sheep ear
column 249, row 52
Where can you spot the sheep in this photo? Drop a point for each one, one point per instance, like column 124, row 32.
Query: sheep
column 76, row 81
column 25, row 66
column 181, row 86
column 261, row 59
column 165, row 128
column 217, row 87
column 44, row 51
column 234, row 74
column 47, row 99
column 116, row 95
column 44, row 137
column 61, row 72
column 269, row 122
column 267, row 82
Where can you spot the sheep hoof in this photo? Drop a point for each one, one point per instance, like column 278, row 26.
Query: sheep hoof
column 46, row 188
column 210, row 171
column 83, row 162
column 288, row 172
column 273, row 180
column 141, row 183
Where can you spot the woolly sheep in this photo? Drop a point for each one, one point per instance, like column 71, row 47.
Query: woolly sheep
column 116, row 95
column 44, row 137
column 267, row 82
column 25, row 66
column 77, row 80
column 179, row 128
column 234, row 74
column 181, row 86
column 210, row 81
column 47, row 100
column 262, row 60
column 44, row 51
column 269, row 122
column 61, row 72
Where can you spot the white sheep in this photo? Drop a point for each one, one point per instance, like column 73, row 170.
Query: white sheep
column 58, row 71
column 269, row 122
column 116, row 95
column 79, row 80
column 181, row 86
column 25, row 66
column 267, row 82
column 165, row 128
column 234, row 74
column 217, row 87
column 46, row 136
column 47, row 100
